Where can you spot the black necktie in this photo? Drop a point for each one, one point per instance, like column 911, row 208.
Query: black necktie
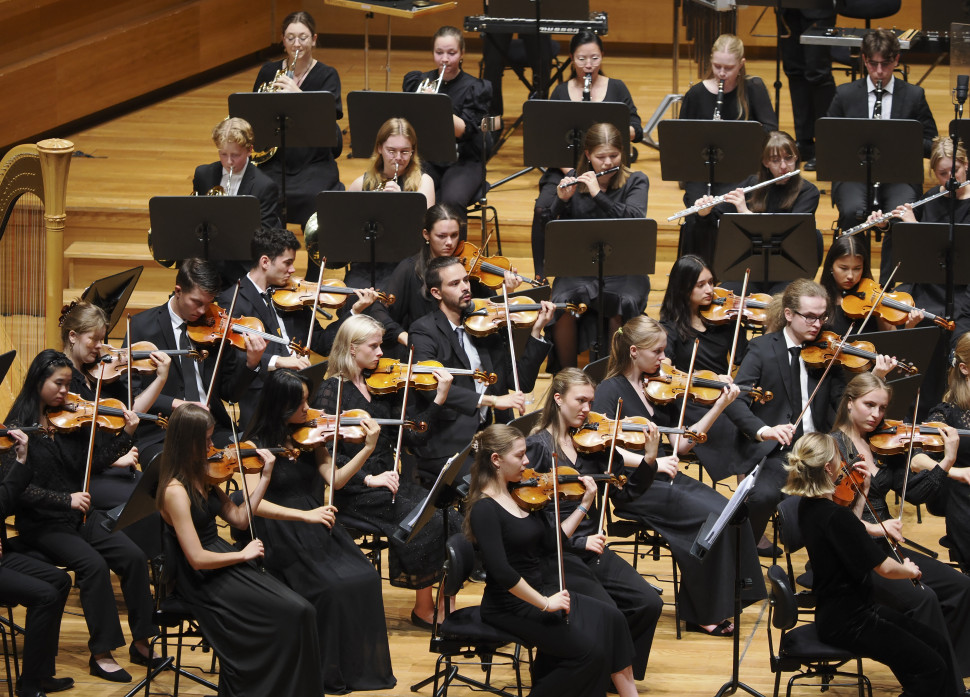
column 459, row 333
column 188, row 367
column 796, row 380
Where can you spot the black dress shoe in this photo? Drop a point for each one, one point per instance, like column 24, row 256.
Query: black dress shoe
column 809, row 165
column 772, row 551
column 30, row 692
column 49, row 685
column 420, row 622
column 120, row 675
column 135, row 656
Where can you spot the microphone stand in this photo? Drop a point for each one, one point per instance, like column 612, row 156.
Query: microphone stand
column 960, row 94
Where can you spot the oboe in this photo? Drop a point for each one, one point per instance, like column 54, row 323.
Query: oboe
column 720, row 199
column 720, row 100
column 598, row 175
column 587, row 84
column 862, row 227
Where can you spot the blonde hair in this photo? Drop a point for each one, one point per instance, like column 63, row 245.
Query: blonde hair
column 81, row 317
column 562, row 382
column 806, row 466
column 233, row 130
column 943, row 147
column 497, row 439
column 603, row 134
column 859, row 386
column 791, row 299
column 640, row 331
column 353, row 332
column 958, row 388
column 729, row 43
column 410, row 178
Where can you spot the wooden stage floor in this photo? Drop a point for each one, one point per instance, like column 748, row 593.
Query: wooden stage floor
column 153, row 151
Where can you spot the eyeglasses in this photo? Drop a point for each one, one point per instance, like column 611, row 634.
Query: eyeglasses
column 294, row 38
column 812, row 319
column 881, row 64
column 391, row 152
column 791, row 159
column 592, row 60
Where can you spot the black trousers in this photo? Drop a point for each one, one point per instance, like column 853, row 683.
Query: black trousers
column 42, row 589
column 809, row 72
column 457, row 183
column 766, row 494
column 92, row 553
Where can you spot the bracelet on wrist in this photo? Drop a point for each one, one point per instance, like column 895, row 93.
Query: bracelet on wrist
column 582, row 508
column 546, row 606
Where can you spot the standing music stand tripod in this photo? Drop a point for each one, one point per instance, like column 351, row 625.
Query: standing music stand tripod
column 615, row 247
column 288, row 119
column 429, row 114
column 709, row 151
column 786, row 244
column 370, row 226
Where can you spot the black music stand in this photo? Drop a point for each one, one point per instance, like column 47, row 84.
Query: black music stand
column 915, row 345
column 712, row 151
column 959, row 134
column 6, row 360
column 370, row 226
column 620, row 247
column 112, row 293
column 429, row 114
column 785, row 244
column 216, row 228
column 288, row 119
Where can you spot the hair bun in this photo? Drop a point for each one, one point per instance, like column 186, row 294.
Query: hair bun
column 65, row 311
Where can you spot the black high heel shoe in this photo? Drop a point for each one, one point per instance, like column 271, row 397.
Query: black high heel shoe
column 120, row 675
column 135, row 656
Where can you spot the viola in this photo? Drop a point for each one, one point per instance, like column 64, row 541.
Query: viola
column 115, row 360
column 299, row 293
column 488, row 316
column 390, row 375
column 489, row 270
column 222, row 464
column 671, row 383
column 725, row 306
column 594, row 435
column 535, row 489
column 213, row 325
column 855, row 356
column 893, row 307
column 350, row 428
column 76, row 412
column 893, row 437
column 850, row 481
column 6, row 442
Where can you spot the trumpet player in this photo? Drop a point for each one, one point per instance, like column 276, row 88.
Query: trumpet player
column 456, row 183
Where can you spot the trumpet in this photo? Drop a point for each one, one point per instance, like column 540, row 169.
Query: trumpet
column 720, row 199
column 426, row 83
column 217, row 190
column 720, row 100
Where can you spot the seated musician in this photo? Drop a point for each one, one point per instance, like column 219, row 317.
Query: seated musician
column 440, row 336
column 586, row 50
column 896, row 100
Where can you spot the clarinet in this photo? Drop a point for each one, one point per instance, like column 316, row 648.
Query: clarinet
column 877, row 114
column 720, row 100
column 587, row 84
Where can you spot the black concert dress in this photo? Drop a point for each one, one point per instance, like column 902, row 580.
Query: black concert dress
column 677, row 509
column 574, row 659
column 330, row 571
column 263, row 633
column 953, row 503
column 418, row 563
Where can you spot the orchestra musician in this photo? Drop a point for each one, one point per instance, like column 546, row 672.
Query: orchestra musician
column 843, row 557
column 456, row 183
column 676, row 505
column 577, row 657
column 586, row 51
column 55, row 519
column 309, row 550
column 377, row 493
column 264, row 633
column 944, row 602
column 588, row 193
column 591, row 567
column 898, row 100
column 309, row 170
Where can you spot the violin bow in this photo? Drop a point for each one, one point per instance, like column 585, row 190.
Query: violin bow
column 909, row 458
column 404, row 410
column 128, row 332
column 882, row 292
column 558, row 525
column 601, row 527
column 838, row 350
column 222, row 345
column 737, row 326
column 316, row 302
column 94, row 429
column 479, row 254
column 675, row 443
column 508, row 326
column 245, row 485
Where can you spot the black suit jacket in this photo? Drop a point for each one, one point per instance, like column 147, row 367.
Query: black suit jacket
column 909, row 102
column 254, row 183
column 434, row 340
column 155, row 325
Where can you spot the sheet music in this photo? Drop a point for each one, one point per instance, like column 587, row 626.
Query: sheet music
column 744, row 488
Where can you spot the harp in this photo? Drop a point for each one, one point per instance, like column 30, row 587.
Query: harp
column 33, row 188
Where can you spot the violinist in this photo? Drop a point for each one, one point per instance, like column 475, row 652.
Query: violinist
column 440, row 336
column 690, row 288
column 196, row 285
column 264, row 633
column 565, row 409
column 56, row 520
column 589, row 193
column 579, row 657
column 377, row 492
column 944, row 603
column 843, row 558
column 676, row 505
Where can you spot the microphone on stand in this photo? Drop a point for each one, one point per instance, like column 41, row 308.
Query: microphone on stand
column 963, row 82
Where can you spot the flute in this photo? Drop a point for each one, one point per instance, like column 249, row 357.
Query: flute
column 720, row 199
column 598, row 175
column 862, row 227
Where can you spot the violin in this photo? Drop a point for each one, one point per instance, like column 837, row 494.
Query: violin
column 534, row 490
column 725, row 306
column 299, row 293
column 6, row 442
column 893, row 307
column 488, row 316
column 75, row 412
column 210, row 328
column 390, row 374
column 855, row 356
column 671, row 383
column 850, row 481
column 489, row 270
column 893, row 437
column 350, row 429
column 593, row 436
column 222, row 464
column 115, row 360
